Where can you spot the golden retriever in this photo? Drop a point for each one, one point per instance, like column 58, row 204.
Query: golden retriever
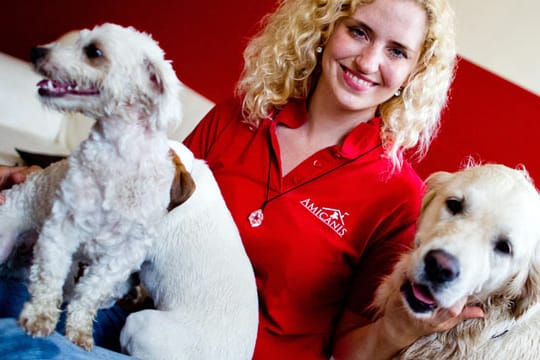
column 478, row 238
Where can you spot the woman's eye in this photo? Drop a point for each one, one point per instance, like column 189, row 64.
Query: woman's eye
column 358, row 32
column 92, row 51
column 398, row 53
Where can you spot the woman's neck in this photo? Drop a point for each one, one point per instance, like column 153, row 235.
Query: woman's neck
column 326, row 115
column 328, row 120
column 328, row 124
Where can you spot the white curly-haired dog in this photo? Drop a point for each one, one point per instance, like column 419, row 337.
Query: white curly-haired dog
column 478, row 238
column 106, row 206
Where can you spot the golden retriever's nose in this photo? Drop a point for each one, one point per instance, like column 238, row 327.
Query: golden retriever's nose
column 38, row 53
column 440, row 266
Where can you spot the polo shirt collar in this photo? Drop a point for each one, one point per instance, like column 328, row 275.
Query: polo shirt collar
column 362, row 138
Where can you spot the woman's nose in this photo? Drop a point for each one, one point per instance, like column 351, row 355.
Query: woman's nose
column 369, row 59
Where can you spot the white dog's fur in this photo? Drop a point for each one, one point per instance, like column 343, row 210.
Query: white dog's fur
column 485, row 221
column 108, row 206
column 201, row 281
column 116, row 187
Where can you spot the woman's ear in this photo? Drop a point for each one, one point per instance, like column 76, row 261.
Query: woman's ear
column 163, row 82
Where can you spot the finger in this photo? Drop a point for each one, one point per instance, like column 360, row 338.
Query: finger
column 2, row 199
column 7, row 172
column 456, row 309
column 18, row 177
column 19, row 174
column 472, row 312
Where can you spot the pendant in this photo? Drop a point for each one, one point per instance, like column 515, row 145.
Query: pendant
column 256, row 218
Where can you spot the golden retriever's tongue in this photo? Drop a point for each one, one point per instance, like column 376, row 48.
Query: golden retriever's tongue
column 423, row 294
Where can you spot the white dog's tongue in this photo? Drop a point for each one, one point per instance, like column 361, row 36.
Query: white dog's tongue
column 423, row 294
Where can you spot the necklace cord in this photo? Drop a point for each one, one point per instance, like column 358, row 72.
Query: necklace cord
column 267, row 190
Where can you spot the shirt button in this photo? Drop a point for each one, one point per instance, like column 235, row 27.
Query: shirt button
column 317, row 163
column 338, row 155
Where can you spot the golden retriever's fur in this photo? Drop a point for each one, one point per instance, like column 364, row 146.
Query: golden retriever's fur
column 485, row 220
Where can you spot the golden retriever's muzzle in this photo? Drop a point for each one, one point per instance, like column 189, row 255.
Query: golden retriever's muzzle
column 439, row 270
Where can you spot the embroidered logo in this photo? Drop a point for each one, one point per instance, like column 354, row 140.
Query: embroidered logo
column 333, row 218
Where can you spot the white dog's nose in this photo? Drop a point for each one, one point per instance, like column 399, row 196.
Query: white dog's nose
column 38, row 53
column 440, row 266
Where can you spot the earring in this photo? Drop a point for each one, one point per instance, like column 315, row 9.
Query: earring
column 398, row 92
column 319, row 49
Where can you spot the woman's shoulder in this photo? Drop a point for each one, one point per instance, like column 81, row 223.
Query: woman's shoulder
column 410, row 177
column 405, row 185
column 224, row 113
column 229, row 106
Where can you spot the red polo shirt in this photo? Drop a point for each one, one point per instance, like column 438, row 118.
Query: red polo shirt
column 333, row 227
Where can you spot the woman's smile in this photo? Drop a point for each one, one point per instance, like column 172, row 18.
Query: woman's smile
column 356, row 81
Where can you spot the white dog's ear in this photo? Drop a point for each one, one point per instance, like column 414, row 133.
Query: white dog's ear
column 183, row 184
column 155, row 77
column 164, row 82
column 433, row 183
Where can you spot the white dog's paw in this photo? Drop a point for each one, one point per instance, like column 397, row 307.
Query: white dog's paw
column 38, row 321
column 146, row 335
column 79, row 325
column 132, row 339
column 80, row 336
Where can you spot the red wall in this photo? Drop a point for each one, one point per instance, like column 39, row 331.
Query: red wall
column 488, row 117
column 204, row 39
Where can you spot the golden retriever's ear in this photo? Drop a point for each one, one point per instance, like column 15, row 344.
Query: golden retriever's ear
column 433, row 183
column 182, row 186
column 426, row 200
column 530, row 294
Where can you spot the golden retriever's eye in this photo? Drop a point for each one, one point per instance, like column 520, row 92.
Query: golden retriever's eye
column 454, row 205
column 92, row 51
column 503, row 246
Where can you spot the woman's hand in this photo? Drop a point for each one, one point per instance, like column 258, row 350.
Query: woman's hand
column 395, row 330
column 399, row 323
column 11, row 175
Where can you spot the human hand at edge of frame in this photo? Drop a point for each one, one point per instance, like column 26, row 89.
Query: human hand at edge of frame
column 11, row 175
column 401, row 323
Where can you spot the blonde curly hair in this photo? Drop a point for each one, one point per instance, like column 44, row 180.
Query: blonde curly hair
column 281, row 63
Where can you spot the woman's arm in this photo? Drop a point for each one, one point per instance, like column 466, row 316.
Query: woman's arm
column 367, row 342
column 396, row 330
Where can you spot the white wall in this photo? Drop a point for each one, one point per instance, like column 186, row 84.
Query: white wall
column 502, row 36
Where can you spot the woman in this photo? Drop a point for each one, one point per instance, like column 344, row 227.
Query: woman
column 309, row 157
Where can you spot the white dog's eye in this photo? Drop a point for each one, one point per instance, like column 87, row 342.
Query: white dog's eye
column 92, row 51
column 503, row 246
column 454, row 205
